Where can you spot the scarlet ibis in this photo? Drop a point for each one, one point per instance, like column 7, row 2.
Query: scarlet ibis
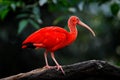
column 53, row 38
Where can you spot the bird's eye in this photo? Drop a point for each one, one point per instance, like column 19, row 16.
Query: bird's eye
column 77, row 19
column 73, row 20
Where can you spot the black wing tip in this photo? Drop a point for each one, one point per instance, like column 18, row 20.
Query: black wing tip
column 28, row 45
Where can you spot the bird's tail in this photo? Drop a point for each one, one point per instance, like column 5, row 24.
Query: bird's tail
column 24, row 46
column 28, row 45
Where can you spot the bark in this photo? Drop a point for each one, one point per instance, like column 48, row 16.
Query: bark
column 87, row 70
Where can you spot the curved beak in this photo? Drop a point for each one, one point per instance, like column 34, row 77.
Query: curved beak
column 86, row 26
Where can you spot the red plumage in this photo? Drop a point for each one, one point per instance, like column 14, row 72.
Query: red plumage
column 53, row 38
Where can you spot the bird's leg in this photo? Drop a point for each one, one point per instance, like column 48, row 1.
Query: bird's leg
column 57, row 65
column 46, row 61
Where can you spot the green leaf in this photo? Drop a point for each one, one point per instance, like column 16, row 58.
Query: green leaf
column 3, row 14
column 3, row 11
column 54, row 1
column 42, row 2
column 22, row 15
column 36, row 10
column 56, row 21
column 115, row 8
column 35, row 25
column 22, row 25
column 13, row 6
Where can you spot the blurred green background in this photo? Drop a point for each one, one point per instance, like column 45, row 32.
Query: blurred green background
column 19, row 18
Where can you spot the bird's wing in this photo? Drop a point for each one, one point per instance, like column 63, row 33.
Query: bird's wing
column 48, row 37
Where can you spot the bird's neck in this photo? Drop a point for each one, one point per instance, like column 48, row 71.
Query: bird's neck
column 73, row 31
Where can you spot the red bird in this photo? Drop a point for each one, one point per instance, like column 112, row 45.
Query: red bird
column 53, row 38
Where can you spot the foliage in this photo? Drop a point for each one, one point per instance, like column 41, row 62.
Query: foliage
column 30, row 13
column 27, row 13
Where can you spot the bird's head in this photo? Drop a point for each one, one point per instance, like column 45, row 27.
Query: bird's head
column 74, row 20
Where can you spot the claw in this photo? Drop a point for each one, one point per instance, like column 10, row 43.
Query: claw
column 60, row 68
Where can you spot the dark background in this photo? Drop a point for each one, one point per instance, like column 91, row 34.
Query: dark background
column 19, row 18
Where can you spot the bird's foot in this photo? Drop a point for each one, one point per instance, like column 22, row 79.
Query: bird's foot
column 49, row 67
column 60, row 68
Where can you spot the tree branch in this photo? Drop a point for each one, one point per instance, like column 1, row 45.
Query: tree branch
column 87, row 70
